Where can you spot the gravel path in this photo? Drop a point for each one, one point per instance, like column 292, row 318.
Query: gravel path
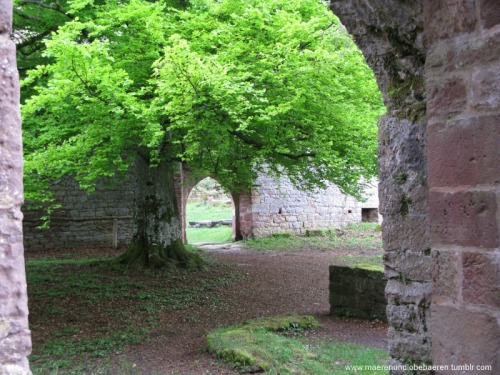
column 273, row 283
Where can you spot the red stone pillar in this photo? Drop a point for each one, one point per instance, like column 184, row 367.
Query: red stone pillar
column 463, row 92
column 15, row 340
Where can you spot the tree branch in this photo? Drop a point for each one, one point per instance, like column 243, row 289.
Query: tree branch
column 260, row 146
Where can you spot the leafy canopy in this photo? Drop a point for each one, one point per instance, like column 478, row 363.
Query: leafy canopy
column 231, row 87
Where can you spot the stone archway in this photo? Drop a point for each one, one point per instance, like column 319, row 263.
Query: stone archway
column 218, row 202
column 447, row 251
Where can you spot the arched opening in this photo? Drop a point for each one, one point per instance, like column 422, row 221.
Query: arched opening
column 209, row 213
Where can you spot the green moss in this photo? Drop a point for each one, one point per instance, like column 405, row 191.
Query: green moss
column 405, row 205
column 220, row 341
column 369, row 267
column 254, row 346
column 175, row 254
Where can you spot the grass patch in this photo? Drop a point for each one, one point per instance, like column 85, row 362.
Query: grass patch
column 211, row 235
column 260, row 345
column 83, row 311
column 365, row 236
column 201, row 211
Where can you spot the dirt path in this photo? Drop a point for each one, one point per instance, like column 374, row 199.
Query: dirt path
column 273, row 283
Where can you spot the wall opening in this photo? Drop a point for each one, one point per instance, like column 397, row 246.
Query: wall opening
column 209, row 213
column 369, row 215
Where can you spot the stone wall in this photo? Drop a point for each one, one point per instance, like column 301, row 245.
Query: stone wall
column 390, row 34
column 463, row 88
column 104, row 218
column 276, row 206
column 357, row 292
column 100, row 219
column 15, row 340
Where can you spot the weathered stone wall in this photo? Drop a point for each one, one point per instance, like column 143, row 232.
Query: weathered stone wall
column 277, row 207
column 463, row 88
column 357, row 292
column 100, row 219
column 390, row 34
column 15, row 341
column 105, row 217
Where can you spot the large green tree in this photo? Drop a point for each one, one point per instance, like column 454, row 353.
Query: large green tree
column 231, row 87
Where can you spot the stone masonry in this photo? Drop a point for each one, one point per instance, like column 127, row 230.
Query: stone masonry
column 357, row 292
column 105, row 217
column 390, row 34
column 463, row 93
column 100, row 219
column 278, row 207
column 15, row 340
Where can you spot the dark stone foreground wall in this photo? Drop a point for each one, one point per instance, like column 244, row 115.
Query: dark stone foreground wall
column 390, row 34
column 357, row 292
column 15, row 340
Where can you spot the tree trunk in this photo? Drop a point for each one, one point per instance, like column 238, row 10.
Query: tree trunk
column 238, row 236
column 157, row 238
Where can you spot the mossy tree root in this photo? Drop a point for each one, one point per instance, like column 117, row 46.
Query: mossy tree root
column 140, row 254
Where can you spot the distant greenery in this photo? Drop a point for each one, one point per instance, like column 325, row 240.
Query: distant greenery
column 201, row 211
column 211, row 235
column 84, row 310
column 365, row 236
column 275, row 345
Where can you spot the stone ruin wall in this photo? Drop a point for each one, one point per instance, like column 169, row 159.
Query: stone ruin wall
column 105, row 217
column 279, row 207
column 15, row 340
column 390, row 34
column 100, row 219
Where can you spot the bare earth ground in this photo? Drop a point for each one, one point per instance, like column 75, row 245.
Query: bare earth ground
column 273, row 283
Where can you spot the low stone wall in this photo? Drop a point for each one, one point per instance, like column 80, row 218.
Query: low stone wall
column 357, row 292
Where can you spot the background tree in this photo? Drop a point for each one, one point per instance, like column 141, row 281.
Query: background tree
column 231, row 87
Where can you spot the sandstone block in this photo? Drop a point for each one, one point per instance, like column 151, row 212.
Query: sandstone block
column 464, row 218
column 481, row 278
column 465, row 152
column 462, row 337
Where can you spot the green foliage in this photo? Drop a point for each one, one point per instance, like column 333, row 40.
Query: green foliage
column 229, row 86
column 255, row 346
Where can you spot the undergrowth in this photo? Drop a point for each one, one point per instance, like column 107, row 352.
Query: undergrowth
column 84, row 311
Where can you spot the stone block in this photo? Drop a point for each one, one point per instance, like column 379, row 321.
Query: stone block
column 446, row 98
column 463, row 337
column 489, row 13
column 485, row 90
column 410, row 265
column 409, row 346
column 466, row 218
column 446, row 19
column 465, row 152
column 357, row 292
column 445, row 274
column 409, row 232
column 403, row 291
column 481, row 278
